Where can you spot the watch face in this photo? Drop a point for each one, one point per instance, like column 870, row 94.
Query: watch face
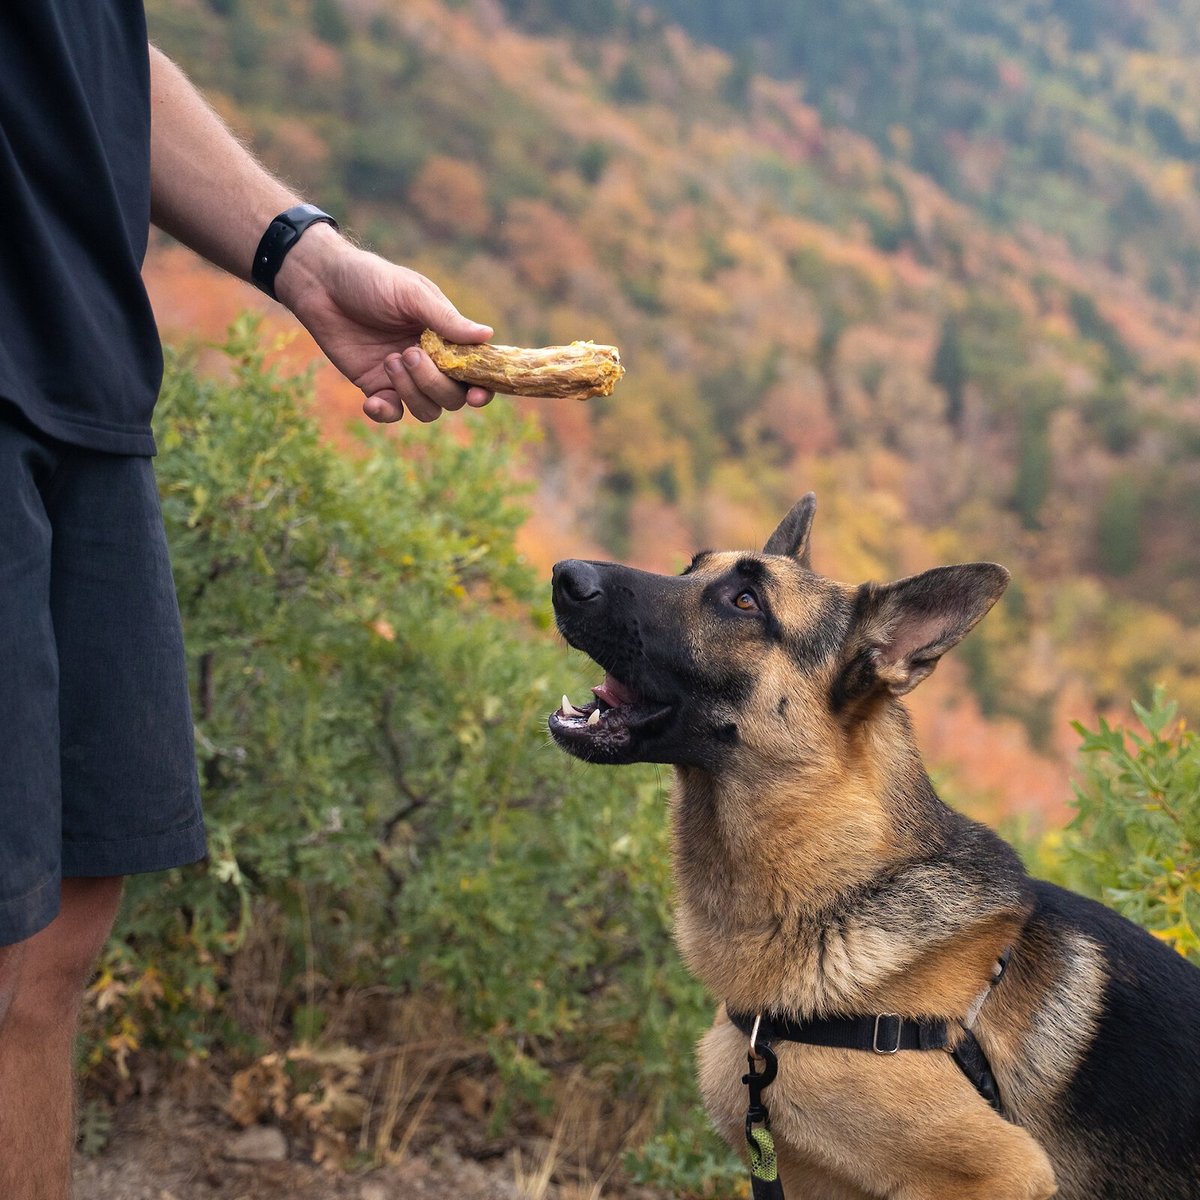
column 300, row 213
column 303, row 215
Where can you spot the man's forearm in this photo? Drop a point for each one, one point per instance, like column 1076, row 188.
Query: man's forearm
column 206, row 189
column 366, row 314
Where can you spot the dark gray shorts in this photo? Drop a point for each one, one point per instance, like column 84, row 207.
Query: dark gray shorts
column 97, row 765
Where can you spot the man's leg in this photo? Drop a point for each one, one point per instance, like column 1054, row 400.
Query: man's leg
column 43, row 980
column 97, row 770
column 10, row 971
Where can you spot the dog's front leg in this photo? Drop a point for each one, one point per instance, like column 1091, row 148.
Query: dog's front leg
column 850, row 1125
column 907, row 1126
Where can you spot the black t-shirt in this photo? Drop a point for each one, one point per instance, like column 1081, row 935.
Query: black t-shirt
column 79, row 352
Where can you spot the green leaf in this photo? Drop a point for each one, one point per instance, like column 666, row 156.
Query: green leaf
column 1191, row 909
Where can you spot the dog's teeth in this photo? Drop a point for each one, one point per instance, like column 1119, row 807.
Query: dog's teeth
column 569, row 710
column 594, row 719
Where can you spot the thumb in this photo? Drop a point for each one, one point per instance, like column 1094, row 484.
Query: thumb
column 454, row 327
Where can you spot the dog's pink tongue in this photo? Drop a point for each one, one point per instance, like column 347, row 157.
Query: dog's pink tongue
column 615, row 693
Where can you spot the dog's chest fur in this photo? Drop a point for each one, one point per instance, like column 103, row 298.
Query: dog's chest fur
column 781, row 913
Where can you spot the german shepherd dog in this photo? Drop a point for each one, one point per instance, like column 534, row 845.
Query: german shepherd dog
column 818, row 876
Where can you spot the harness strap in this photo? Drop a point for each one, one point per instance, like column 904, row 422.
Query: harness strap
column 884, row 1034
column 887, row 1033
column 973, row 1063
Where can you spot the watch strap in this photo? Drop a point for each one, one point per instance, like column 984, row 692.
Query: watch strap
column 281, row 235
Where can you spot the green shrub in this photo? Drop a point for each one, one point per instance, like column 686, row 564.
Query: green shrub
column 1135, row 841
column 371, row 667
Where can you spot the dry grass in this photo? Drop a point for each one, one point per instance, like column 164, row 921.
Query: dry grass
column 412, row 1082
column 386, row 1078
column 591, row 1132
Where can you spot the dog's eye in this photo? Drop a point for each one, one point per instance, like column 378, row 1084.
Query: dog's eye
column 746, row 601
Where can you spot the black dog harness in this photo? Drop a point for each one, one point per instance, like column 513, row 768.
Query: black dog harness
column 884, row 1033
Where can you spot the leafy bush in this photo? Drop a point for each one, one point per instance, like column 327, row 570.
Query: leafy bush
column 371, row 668
column 1135, row 842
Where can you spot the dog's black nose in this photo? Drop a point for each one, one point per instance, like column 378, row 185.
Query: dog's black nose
column 576, row 582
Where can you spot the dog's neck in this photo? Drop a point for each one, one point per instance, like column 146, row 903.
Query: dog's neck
column 756, row 857
column 770, row 842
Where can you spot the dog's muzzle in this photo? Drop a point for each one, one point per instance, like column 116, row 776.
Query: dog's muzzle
column 617, row 723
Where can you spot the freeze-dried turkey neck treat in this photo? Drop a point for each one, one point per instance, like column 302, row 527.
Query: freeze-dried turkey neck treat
column 575, row 372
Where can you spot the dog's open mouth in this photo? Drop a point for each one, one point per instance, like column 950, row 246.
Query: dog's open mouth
column 611, row 723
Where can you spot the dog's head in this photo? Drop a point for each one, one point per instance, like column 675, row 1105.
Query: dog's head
column 750, row 651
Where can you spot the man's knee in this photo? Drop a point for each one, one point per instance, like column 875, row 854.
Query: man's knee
column 72, row 941
column 57, row 962
column 10, row 973
column 85, row 919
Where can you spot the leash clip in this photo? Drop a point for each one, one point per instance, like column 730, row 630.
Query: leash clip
column 757, row 1082
column 764, row 1164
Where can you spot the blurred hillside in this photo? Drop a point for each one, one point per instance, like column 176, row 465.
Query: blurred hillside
column 940, row 263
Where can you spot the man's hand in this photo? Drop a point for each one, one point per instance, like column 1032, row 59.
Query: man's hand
column 367, row 315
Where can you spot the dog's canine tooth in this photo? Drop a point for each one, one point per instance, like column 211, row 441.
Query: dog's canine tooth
column 569, row 710
column 594, row 719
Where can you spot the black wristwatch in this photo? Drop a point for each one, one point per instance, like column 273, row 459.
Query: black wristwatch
column 282, row 234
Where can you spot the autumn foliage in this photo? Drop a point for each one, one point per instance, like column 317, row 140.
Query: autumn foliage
column 970, row 324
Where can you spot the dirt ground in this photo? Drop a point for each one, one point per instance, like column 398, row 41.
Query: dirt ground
column 162, row 1150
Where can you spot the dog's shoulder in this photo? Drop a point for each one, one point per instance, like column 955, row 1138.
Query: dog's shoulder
column 923, row 935
column 1095, row 1032
column 1139, row 963
column 965, row 875
column 1145, row 1057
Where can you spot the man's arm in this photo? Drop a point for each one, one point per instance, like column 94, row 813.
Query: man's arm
column 366, row 314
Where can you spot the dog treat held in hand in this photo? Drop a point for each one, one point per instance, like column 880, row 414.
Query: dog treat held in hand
column 575, row 372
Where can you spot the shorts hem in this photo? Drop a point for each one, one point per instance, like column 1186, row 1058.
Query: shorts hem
column 76, row 430
column 134, row 856
column 23, row 916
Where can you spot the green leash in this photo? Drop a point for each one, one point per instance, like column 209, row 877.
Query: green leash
column 764, row 1165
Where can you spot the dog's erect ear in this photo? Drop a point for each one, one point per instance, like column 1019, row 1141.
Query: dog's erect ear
column 903, row 628
column 793, row 533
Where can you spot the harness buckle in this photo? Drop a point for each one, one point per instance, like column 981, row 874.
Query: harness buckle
column 884, row 1049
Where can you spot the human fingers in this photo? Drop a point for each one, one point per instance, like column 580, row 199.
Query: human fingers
column 454, row 327
column 440, row 387
column 430, row 382
column 384, row 407
column 440, row 315
column 423, row 397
